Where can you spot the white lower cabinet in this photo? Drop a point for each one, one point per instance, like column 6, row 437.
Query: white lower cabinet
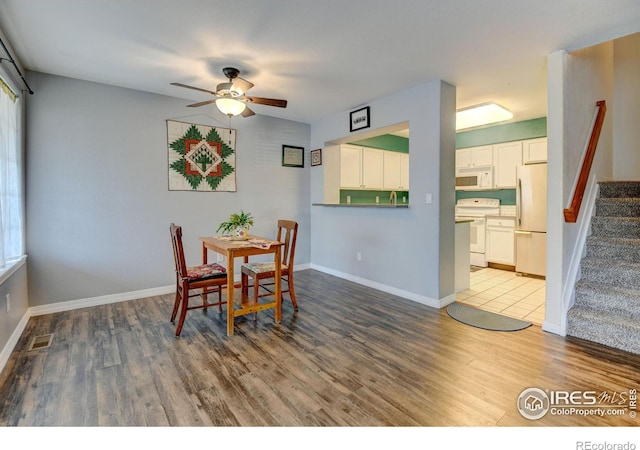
column 500, row 240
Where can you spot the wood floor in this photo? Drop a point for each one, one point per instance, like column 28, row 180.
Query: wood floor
column 351, row 356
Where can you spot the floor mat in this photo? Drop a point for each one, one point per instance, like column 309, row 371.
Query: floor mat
column 484, row 319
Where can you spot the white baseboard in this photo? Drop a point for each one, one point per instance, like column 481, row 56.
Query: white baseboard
column 13, row 340
column 428, row 301
column 554, row 328
column 96, row 301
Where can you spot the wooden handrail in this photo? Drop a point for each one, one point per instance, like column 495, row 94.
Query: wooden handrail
column 571, row 213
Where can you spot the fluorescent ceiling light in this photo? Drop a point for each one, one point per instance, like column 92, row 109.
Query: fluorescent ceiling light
column 478, row 115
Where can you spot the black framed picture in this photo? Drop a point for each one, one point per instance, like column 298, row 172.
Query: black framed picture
column 316, row 157
column 359, row 119
column 292, row 156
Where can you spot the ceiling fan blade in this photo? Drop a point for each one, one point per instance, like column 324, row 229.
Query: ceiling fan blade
column 193, row 87
column 241, row 84
column 247, row 112
column 267, row 101
column 207, row 102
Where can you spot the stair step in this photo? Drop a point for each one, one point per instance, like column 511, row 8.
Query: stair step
column 615, row 226
column 608, row 298
column 612, row 272
column 619, row 189
column 619, row 207
column 612, row 330
column 624, row 249
column 606, row 306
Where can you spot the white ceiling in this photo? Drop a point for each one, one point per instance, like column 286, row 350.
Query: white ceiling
column 323, row 56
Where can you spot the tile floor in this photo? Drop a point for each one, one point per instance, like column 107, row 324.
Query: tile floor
column 506, row 293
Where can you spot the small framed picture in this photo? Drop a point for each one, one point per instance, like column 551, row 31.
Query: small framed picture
column 316, row 157
column 359, row 119
column 292, row 156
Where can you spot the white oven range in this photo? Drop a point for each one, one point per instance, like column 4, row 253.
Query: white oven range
column 476, row 209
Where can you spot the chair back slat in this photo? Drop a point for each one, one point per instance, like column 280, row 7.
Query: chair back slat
column 178, row 250
column 288, row 233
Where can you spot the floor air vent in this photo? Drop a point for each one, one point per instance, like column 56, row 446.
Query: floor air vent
column 39, row 342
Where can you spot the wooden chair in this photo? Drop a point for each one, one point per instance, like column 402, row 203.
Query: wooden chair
column 262, row 272
column 188, row 279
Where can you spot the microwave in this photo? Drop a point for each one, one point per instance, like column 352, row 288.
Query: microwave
column 474, row 178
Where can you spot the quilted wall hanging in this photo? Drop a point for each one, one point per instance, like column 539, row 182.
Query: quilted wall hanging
column 201, row 158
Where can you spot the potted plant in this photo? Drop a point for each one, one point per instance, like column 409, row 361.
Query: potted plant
column 237, row 226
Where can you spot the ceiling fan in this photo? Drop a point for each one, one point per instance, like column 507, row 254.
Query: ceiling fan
column 231, row 98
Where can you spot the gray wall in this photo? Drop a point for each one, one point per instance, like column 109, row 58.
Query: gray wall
column 626, row 108
column 98, row 204
column 577, row 81
column 409, row 250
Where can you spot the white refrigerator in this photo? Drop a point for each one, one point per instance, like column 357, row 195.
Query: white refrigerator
column 531, row 219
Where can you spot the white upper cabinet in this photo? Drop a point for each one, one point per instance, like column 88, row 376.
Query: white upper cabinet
column 350, row 167
column 507, row 157
column 404, row 171
column 396, row 171
column 360, row 167
column 372, row 168
column 534, row 151
column 504, row 158
column 474, row 157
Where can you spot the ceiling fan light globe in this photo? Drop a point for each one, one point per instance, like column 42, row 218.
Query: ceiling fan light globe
column 231, row 107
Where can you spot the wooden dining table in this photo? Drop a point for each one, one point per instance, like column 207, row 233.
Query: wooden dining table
column 232, row 249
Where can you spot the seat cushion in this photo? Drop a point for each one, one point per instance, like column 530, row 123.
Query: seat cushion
column 206, row 271
column 263, row 267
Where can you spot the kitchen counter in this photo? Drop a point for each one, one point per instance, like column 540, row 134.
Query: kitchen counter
column 362, row 205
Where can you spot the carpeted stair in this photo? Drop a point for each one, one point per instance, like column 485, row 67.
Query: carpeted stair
column 607, row 296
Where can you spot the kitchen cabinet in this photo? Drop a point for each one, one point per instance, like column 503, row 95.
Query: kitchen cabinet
column 404, row 171
column 504, row 158
column 350, row 167
column 474, row 157
column 500, row 240
column 372, row 168
column 534, row 151
column 361, row 167
column 507, row 157
column 396, row 170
